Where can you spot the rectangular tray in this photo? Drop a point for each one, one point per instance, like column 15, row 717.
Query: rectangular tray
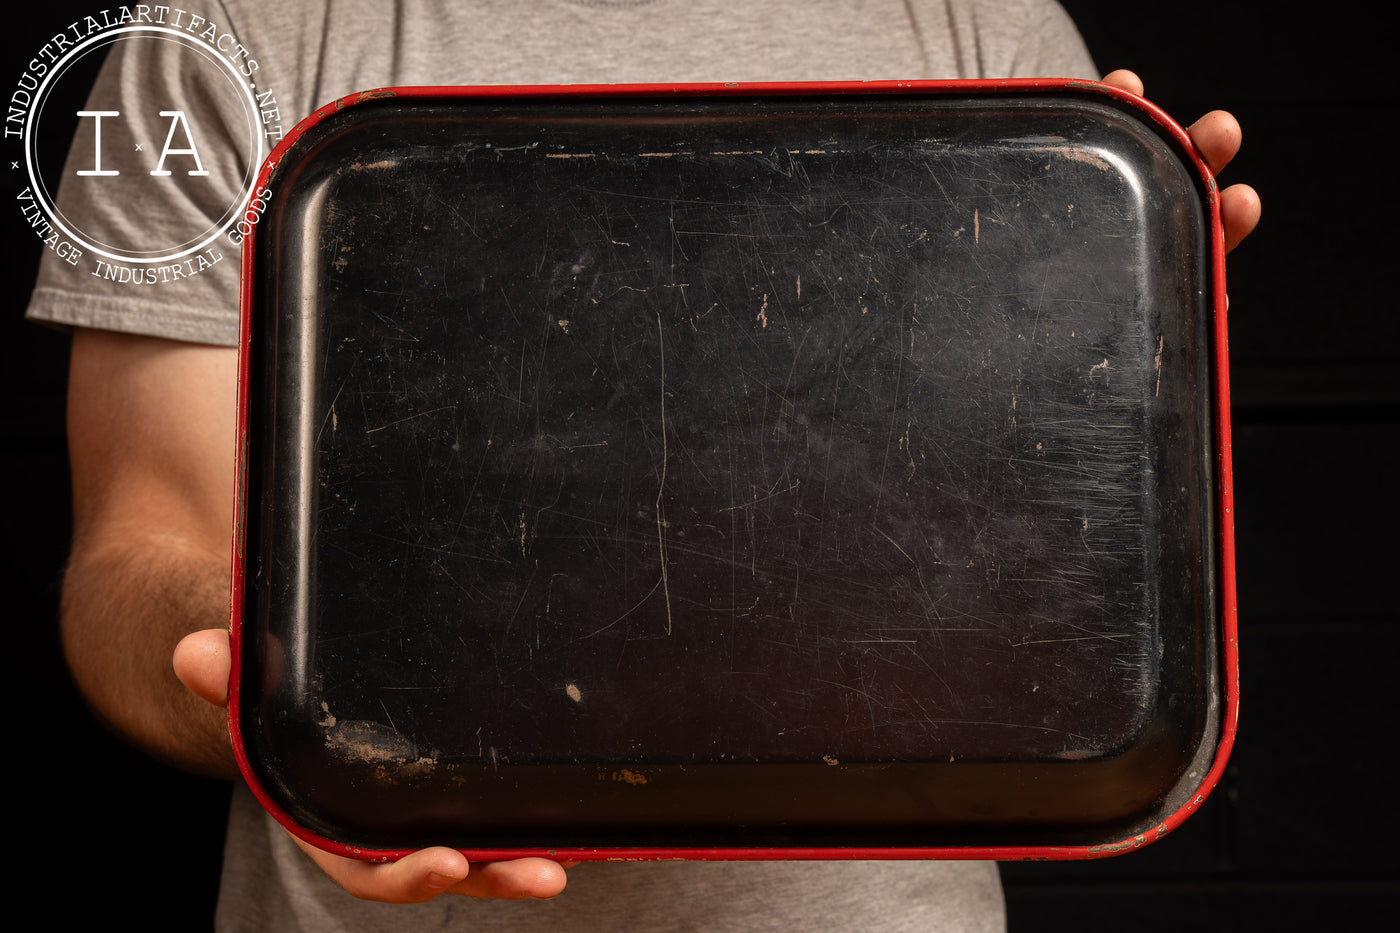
column 746, row 472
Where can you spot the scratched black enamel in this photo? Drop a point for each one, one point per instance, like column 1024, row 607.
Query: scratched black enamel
column 861, row 445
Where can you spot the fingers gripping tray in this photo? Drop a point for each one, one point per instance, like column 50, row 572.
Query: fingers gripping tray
column 741, row 472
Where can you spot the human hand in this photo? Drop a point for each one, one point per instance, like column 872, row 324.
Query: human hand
column 202, row 661
column 1217, row 136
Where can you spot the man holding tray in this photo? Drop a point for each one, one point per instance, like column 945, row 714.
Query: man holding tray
column 152, row 425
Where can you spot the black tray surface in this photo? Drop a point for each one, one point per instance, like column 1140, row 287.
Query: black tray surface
column 734, row 472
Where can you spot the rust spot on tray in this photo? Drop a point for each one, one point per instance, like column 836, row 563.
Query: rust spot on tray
column 1113, row 848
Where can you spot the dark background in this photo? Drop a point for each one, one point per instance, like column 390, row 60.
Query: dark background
column 1298, row 835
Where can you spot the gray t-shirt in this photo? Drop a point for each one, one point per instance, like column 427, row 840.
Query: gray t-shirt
column 313, row 52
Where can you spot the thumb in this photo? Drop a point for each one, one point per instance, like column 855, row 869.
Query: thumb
column 202, row 661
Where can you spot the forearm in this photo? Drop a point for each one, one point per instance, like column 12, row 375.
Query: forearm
column 150, row 439
column 125, row 606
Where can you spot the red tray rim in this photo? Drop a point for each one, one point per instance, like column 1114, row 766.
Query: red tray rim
column 1229, row 640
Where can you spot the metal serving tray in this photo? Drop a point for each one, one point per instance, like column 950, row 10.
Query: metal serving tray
column 744, row 472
